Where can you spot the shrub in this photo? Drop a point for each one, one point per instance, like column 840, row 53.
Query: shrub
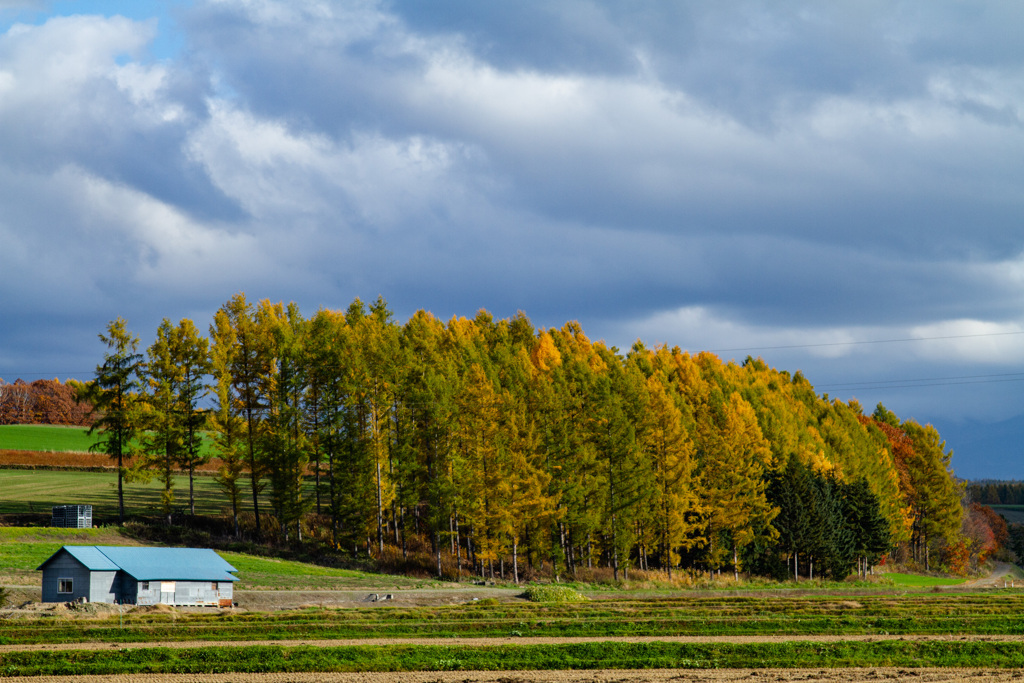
column 551, row 593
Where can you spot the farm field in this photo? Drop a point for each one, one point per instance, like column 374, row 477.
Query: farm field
column 638, row 633
column 307, row 622
column 53, row 439
column 35, row 491
column 45, row 438
column 309, row 640
column 1013, row 513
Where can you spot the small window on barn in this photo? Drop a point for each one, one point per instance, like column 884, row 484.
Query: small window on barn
column 144, row 586
column 65, row 586
column 214, row 586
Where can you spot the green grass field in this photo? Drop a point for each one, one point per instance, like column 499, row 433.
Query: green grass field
column 918, row 581
column 45, row 438
column 27, row 491
column 55, row 438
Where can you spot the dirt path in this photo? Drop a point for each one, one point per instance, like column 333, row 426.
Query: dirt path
column 505, row 641
column 867, row 675
column 1002, row 573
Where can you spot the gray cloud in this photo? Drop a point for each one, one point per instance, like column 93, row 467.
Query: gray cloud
column 714, row 175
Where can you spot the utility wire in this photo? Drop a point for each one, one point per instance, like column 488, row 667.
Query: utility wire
column 917, row 385
column 996, row 377
column 873, row 341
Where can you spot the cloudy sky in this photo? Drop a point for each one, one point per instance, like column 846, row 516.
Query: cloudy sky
column 837, row 187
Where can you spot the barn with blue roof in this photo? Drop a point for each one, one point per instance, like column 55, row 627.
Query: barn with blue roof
column 138, row 576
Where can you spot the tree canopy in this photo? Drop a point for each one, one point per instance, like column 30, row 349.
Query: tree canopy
column 503, row 446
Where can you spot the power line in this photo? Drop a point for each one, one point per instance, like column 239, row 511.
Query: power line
column 873, row 341
column 977, row 379
column 919, row 384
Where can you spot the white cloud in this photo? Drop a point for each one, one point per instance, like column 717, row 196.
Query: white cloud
column 977, row 342
column 273, row 170
column 172, row 249
column 698, row 328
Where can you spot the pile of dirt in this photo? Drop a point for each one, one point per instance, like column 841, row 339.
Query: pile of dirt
column 153, row 609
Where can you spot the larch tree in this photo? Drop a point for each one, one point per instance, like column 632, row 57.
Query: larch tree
column 664, row 439
column 163, row 438
column 226, row 423
column 285, row 453
column 192, row 353
column 251, row 369
column 113, row 396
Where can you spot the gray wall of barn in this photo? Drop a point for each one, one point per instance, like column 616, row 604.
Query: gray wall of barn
column 93, row 586
column 185, row 592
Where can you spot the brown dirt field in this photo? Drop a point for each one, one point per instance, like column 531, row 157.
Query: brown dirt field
column 872, row 675
column 71, row 459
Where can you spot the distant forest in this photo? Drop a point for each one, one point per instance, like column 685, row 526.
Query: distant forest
column 503, row 448
column 997, row 492
column 44, row 401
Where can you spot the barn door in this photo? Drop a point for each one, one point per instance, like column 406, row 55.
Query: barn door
column 167, row 592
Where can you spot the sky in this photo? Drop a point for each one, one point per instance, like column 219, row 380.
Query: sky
column 835, row 187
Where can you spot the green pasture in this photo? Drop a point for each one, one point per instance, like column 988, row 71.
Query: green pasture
column 267, row 573
column 45, row 438
column 920, row 581
column 36, row 491
column 57, row 438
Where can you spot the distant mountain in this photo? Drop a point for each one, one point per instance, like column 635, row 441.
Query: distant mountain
column 986, row 450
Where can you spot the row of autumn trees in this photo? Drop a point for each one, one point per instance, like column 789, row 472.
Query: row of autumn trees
column 504, row 446
column 44, row 401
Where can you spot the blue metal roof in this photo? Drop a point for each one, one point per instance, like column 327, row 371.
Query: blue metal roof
column 154, row 564
column 182, row 564
column 88, row 555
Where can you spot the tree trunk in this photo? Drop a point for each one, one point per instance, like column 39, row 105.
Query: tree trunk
column 615, row 553
column 120, row 489
column 437, row 552
column 380, row 515
column 191, row 488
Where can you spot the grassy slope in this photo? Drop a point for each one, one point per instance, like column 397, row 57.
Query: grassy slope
column 22, row 549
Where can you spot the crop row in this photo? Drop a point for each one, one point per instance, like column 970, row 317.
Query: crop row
column 510, row 657
column 967, row 615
